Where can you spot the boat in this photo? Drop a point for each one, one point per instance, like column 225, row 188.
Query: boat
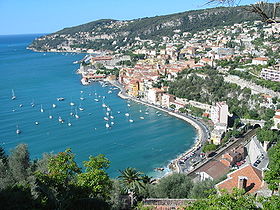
column 128, row 105
column 104, row 105
column 107, row 113
column 36, row 123
column 60, row 120
column 72, row 104
column 69, row 123
column 81, row 109
column 142, row 118
column 118, row 112
column 60, row 99
column 96, row 99
column 109, row 91
column 130, row 120
column 126, row 114
column 41, row 110
column 50, row 116
column 106, row 118
column 13, row 95
column 20, row 105
column 82, row 98
column 107, row 125
column 32, row 103
column 18, row 131
column 112, row 123
column 140, row 110
column 54, row 105
column 108, row 109
column 76, row 115
column 112, row 117
column 146, row 112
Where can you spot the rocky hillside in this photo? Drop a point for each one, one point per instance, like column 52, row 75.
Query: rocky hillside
column 113, row 34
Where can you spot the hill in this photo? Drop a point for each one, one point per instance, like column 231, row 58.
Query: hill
column 113, row 34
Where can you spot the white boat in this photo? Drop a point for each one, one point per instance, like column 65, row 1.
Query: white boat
column 60, row 99
column 112, row 123
column 142, row 118
column 112, row 117
column 20, row 105
column 50, row 116
column 18, row 131
column 96, row 99
column 107, row 125
column 72, row 104
column 82, row 98
column 106, row 118
column 109, row 91
column 126, row 114
column 104, row 105
column 32, row 103
column 107, row 113
column 36, row 123
column 69, row 123
column 130, row 120
column 128, row 105
column 81, row 91
column 13, row 95
column 76, row 115
column 118, row 112
column 108, row 109
column 140, row 110
column 146, row 113
column 41, row 110
column 60, row 120
column 54, row 105
column 81, row 109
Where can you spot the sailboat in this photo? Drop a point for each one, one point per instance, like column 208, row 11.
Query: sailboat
column 32, row 103
column 41, row 110
column 76, row 115
column 54, row 105
column 17, row 130
column 13, row 95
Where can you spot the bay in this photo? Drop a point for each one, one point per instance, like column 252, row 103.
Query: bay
column 41, row 78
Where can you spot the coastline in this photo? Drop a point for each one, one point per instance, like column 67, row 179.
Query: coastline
column 201, row 133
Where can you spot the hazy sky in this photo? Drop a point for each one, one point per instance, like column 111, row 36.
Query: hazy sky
column 45, row 16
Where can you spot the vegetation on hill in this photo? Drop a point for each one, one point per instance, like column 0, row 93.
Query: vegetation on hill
column 146, row 28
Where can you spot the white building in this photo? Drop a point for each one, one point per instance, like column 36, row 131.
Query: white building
column 260, row 61
column 272, row 74
column 219, row 113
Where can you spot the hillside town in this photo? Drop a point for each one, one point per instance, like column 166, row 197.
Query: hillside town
column 245, row 54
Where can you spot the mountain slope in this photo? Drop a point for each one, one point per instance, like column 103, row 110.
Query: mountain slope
column 112, row 34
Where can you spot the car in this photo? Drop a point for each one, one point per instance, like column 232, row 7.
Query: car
column 258, row 161
column 255, row 164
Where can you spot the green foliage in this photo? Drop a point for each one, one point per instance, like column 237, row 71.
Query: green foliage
column 209, row 147
column 272, row 175
column 236, row 200
column 95, row 179
column 173, row 186
column 202, row 189
column 267, row 135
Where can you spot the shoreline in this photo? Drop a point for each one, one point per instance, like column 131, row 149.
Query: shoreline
column 200, row 133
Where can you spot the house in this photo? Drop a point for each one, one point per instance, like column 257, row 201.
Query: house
column 276, row 120
column 154, row 95
column 213, row 170
column 271, row 73
column 247, row 177
column 166, row 99
column 235, row 155
column 260, row 61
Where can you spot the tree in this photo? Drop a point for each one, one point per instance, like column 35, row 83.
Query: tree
column 202, row 189
column 272, row 175
column 267, row 12
column 174, row 186
column 95, row 180
column 132, row 182
column 235, row 200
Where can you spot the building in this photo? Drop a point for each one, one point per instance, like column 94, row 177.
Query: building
column 271, row 73
column 213, row 170
column 247, row 177
column 276, row 120
column 234, row 156
column 219, row 113
column 259, row 61
column 154, row 95
column 167, row 99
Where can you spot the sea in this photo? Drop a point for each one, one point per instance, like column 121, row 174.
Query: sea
column 136, row 135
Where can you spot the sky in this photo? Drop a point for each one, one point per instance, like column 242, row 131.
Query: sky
column 46, row 16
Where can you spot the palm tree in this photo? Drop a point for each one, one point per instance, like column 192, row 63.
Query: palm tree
column 132, row 182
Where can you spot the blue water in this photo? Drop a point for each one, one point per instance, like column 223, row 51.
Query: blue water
column 42, row 77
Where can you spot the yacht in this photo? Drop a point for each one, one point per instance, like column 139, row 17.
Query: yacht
column 142, row 118
column 131, row 121
column 60, row 99
column 36, row 123
column 126, row 114
column 106, row 118
column 112, row 117
column 72, row 104
column 41, row 110
column 112, row 123
column 13, row 95
column 50, row 116
column 76, row 115
column 17, row 130
column 108, row 109
column 60, row 120
column 20, row 105
column 107, row 125
column 96, row 99
column 104, row 105
column 54, row 105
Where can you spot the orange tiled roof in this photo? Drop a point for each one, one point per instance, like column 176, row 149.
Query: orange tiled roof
column 261, row 59
column 253, row 175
